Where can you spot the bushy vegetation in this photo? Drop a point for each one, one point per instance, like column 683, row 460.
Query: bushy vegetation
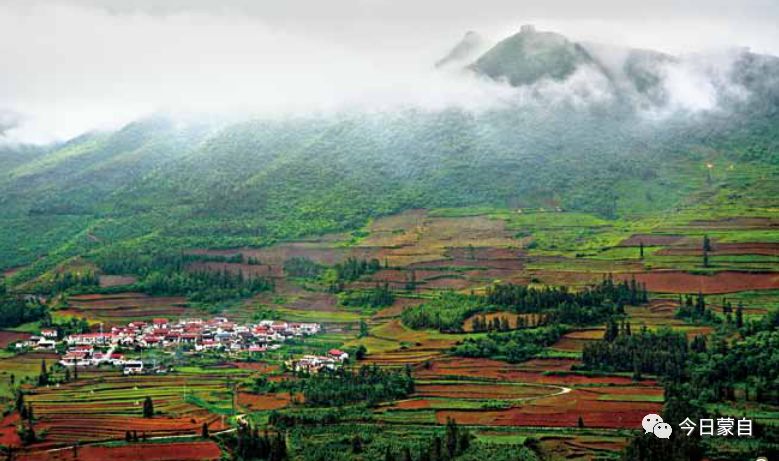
column 15, row 310
column 664, row 353
column 704, row 371
column 68, row 281
column 335, row 388
column 378, row 296
column 516, row 346
column 302, row 267
column 448, row 311
column 168, row 273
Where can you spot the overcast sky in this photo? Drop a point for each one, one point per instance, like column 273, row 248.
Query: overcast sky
column 73, row 65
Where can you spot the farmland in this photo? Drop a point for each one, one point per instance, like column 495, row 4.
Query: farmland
column 523, row 282
column 573, row 413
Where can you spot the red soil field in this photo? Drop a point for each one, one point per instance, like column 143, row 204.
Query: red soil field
column 256, row 402
column 8, row 435
column 412, row 404
column 255, row 366
column 718, row 283
column 560, row 411
column 8, row 337
column 296, row 297
column 126, row 305
column 69, row 428
column 568, row 278
column 447, row 284
column 179, row 451
column 502, row 371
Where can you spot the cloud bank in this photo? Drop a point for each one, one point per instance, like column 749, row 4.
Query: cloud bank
column 73, row 66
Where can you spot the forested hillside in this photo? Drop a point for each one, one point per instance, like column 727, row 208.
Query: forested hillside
column 180, row 184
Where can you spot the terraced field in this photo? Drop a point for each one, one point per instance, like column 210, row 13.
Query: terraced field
column 572, row 414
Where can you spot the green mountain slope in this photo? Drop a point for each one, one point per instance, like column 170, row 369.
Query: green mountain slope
column 158, row 183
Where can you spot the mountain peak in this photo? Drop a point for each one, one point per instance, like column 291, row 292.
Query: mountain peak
column 531, row 55
column 467, row 49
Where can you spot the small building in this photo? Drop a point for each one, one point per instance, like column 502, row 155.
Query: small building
column 338, row 354
column 132, row 367
column 46, row 344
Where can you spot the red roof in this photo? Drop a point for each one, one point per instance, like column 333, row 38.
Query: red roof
column 336, row 352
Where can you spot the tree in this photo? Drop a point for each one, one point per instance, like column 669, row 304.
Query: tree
column 356, row 444
column 612, row 331
column 388, row 455
column 452, row 438
column 362, row 351
column 19, row 401
column 148, row 408
column 204, row 431
column 363, row 329
column 706, row 243
column 411, row 281
column 740, row 316
column 580, row 423
column 43, row 378
column 128, row 437
column 278, row 449
column 407, row 454
column 641, row 249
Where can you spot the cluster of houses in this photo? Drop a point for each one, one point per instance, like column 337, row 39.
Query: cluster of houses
column 199, row 335
column 316, row 363
column 219, row 334
column 46, row 341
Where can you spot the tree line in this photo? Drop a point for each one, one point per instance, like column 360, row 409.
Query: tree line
column 515, row 346
column 331, row 388
column 448, row 311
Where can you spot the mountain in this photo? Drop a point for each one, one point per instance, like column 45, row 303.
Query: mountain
column 164, row 183
column 637, row 78
column 530, row 55
column 467, row 49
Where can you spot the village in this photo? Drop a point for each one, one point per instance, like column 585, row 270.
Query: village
column 192, row 335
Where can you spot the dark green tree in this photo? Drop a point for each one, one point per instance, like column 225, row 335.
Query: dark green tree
column 148, row 408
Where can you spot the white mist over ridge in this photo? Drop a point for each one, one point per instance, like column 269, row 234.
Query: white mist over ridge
column 71, row 67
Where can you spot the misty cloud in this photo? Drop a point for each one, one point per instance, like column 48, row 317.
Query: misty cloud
column 72, row 66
